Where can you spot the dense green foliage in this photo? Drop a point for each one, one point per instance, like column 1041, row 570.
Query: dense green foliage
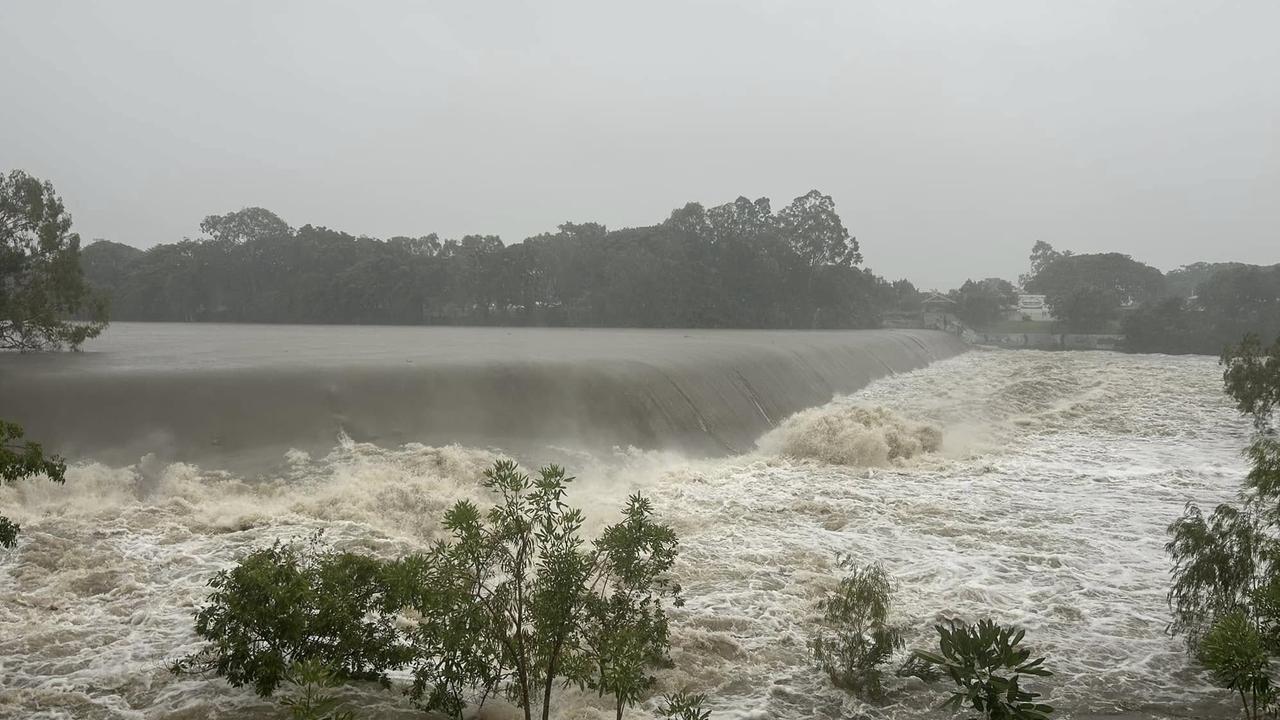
column 21, row 459
column 1086, row 292
column 981, row 303
column 1199, row 308
column 856, row 640
column 988, row 666
column 515, row 603
column 1185, row 282
column 1252, row 377
column 1225, row 594
column 310, row 699
column 41, row 284
column 1239, row 659
column 735, row 265
column 684, row 706
column 1220, row 563
column 1233, row 300
column 288, row 604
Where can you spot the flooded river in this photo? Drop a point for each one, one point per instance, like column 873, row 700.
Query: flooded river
column 1030, row 487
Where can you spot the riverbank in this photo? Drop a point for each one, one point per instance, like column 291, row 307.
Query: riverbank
column 1050, row 341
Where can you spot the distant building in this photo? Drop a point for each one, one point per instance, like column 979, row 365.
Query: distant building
column 1031, row 307
column 937, row 311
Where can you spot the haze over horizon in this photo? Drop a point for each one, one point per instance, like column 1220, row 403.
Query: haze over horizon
column 960, row 134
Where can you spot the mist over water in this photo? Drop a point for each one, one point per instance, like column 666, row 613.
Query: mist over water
column 220, row 394
column 1033, row 487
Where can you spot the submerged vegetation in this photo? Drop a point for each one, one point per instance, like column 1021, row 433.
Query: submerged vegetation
column 855, row 643
column 311, row 699
column 988, row 666
column 20, row 459
column 1225, row 594
column 514, row 604
column 289, row 604
column 856, row 640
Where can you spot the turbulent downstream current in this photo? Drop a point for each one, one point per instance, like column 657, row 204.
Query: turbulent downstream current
column 1030, row 487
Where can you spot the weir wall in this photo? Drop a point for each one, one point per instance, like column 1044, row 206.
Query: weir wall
column 206, row 393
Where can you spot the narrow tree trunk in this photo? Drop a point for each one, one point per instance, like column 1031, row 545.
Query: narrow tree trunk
column 551, row 679
column 546, row 693
column 524, row 691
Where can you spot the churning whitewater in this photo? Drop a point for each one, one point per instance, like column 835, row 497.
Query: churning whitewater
column 1032, row 487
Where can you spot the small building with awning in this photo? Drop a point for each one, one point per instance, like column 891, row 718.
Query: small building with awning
column 937, row 311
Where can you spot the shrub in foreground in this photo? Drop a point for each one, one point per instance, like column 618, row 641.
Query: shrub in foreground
column 21, row 459
column 1225, row 594
column 515, row 603
column 289, row 604
column 856, row 640
column 988, row 666
column 684, row 706
column 310, row 699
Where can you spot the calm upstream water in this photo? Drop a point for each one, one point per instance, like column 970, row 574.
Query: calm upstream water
column 1044, row 504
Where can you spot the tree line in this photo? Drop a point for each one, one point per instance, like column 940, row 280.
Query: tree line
column 734, row 265
column 1199, row 308
column 1233, row 300
column 738, row 265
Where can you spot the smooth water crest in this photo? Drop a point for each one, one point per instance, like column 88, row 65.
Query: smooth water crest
column 1030, row 487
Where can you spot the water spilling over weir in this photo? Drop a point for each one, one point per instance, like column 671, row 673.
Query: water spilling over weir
column 1030, row 487
column 204, row 393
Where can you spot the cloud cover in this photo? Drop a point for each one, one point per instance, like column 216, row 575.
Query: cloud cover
column 951, row 135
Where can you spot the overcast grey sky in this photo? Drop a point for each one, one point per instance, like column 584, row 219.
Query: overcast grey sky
column 952, row 135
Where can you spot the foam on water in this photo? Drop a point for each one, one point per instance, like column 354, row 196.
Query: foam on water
column 1044, row 504
column 842, row 434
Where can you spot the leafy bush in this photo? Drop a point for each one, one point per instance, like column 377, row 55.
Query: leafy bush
column 856, row 640
column 312, row 678
column 516, row 602
column 21, row 459
column 41, row 283
column 1252, row 377
column 1237, row 658
column 1218, row 562
column 1225, row 594
column 627, row 633
column 684, row 706
column 286, row 605
column 988, row 667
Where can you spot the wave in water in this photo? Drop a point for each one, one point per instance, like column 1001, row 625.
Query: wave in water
column 840, row 434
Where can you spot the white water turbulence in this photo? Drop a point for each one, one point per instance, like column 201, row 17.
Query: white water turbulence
column 1033, row 488
column 842, row 434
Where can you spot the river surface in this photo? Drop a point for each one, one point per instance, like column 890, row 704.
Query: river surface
column 1045, row 505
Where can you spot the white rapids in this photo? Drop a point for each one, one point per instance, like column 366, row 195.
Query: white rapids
column 1033, row 488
